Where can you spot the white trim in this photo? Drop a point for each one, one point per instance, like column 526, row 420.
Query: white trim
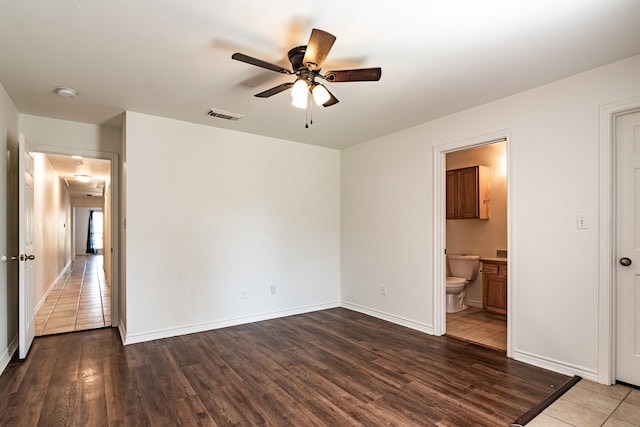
column 8, row 354
column 115, row 210
column 122, row 328
column 439, row 229
column 408, row 323
column 555, row 365
column 202, row 327
column 607, row 239
column 473, row 303
column 439, row 266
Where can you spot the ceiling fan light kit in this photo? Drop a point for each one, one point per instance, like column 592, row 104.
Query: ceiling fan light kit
column 320, row 94
column 306, row 62
column 299, row 93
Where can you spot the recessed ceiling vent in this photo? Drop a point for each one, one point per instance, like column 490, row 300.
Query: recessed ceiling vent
column 224, row 115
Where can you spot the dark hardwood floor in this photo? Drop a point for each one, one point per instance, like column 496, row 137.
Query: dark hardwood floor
column 334, row 367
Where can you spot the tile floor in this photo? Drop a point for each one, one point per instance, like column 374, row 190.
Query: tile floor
column 478, row 326
column 81, row 299
column 589, row 404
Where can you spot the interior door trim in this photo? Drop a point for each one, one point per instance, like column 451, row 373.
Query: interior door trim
column 607, row 237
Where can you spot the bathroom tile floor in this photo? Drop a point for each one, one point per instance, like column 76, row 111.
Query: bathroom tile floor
column 590, row 404
column 478, row 326
column 80, row 299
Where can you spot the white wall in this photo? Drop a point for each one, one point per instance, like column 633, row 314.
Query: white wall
column 122, row 229
column 210, row 212
column 387, row 211
column 62, row 133
column 8, row 228
column 51, row 227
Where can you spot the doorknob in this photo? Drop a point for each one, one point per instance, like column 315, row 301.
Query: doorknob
column 625, row 261
column 24, row 257
column 31, row 257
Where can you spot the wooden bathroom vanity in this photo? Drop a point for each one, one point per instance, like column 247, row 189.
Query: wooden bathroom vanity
column 494, row 285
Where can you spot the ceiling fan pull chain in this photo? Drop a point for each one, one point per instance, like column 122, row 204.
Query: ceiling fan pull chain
column 308, row 113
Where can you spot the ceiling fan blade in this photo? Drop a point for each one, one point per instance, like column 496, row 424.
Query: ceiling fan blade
column 259, row 63
column 318, row 48
column 274, row 90
column 332, row 101
column 359, row 75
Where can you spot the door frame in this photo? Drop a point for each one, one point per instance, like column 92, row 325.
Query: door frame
column 439, row 229
column 607, row 280
column 115, row 212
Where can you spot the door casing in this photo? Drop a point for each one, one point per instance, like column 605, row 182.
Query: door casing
column 607, row 280
column 115, row 209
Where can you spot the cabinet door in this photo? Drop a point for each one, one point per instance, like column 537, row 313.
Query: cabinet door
column 496, row 295
column 468, row 193
column 452, row 194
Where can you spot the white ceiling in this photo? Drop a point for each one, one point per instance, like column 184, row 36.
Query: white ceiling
column 66, row 167
column 173, row 58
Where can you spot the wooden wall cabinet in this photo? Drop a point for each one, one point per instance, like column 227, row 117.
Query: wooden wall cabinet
column 494, row 286
column 468, row 193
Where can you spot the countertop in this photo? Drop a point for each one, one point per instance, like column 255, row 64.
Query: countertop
column 494, row 259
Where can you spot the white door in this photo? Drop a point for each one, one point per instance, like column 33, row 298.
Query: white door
column 25, row 286
column 628, row 248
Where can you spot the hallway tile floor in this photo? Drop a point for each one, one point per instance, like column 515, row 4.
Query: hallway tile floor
column 80, row 299
column 590, row 404
column 477, row 326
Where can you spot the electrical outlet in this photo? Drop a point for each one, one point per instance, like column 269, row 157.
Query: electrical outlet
column 273, row 289
column 582, row 221
column 383, row 290
column 243, row 293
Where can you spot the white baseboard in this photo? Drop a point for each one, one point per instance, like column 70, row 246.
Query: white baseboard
column 555, row 365
column 412, row 324
column 8, row 354
column 473, row 303
column 123, row 331
column 190, row 329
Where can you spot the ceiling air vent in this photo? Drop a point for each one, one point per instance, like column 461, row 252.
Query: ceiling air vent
column 224, row 115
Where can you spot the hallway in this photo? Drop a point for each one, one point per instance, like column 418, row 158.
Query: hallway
column 80, row 300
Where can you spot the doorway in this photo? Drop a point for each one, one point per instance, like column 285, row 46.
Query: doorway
column 483, row 321
column 487, row 238
column 87, row 282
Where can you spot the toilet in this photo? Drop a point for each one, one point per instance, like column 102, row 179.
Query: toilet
column 463, row 269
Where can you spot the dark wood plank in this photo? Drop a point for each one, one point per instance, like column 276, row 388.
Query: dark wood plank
column 331, row 367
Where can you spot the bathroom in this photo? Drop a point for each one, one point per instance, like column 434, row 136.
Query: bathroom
column 483, row 321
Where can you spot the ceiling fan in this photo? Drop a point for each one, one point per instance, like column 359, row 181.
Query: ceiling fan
column 306, row 62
